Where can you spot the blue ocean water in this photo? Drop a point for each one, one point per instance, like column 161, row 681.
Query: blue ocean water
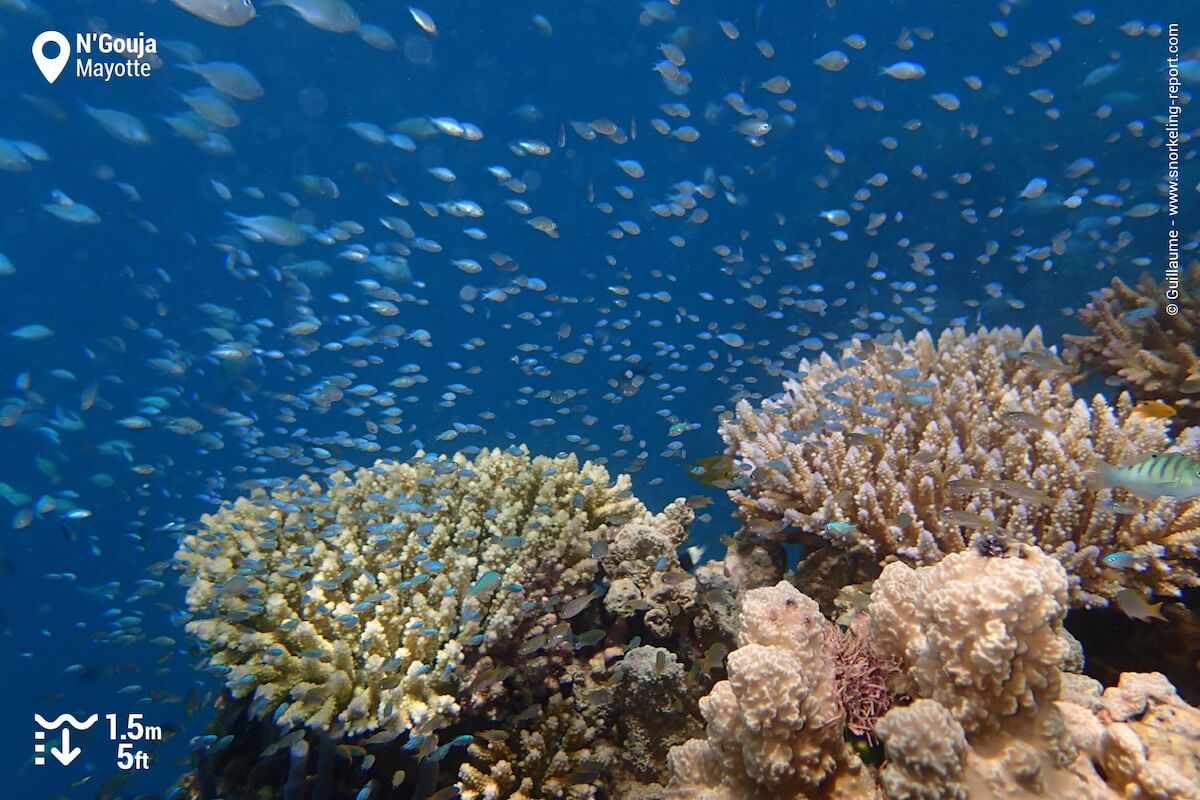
column 129, row 299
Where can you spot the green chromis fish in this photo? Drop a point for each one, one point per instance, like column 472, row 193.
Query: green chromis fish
column 1157, row 475
column 1121, row 560
column 1133, row 604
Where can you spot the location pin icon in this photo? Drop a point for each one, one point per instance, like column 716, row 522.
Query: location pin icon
column 51, row 67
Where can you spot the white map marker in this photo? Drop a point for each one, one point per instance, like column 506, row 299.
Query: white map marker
column 51, row 67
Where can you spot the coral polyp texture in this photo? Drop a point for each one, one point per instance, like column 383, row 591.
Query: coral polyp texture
column 979, row 656
column 361, row 603
column 980, row 642
column 980, row 635
column 903, row 451
column 1135, row 337
column 775, row 726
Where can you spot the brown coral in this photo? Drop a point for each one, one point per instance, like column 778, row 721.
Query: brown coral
column 645, row 571
column 901, row 451
column 1135, row 337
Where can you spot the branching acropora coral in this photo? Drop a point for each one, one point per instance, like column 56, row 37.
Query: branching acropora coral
column 1135, row 337
column 903, row 451
column 360, row 604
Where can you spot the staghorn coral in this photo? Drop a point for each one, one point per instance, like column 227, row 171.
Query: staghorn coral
column 360, row 604
column 906, row 448
column 645, row 571
column 1155, row 352
column 775, row 726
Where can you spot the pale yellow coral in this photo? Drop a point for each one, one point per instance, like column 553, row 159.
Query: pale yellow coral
column 908, row 448
column 980, row 635
column 994, row 716
column 925, row 748
column 775, row 726
column 360, row 604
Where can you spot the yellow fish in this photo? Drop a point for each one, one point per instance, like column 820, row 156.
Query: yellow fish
column 1133, row 604
column 1154, row 409
column 714, row 471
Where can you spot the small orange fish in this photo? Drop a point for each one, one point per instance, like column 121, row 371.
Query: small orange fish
column 1155, row 409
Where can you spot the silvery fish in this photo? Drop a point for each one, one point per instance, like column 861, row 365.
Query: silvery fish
column 230, row 13
column 1157, row 475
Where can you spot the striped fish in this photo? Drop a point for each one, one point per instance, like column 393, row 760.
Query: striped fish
column 1157, row 475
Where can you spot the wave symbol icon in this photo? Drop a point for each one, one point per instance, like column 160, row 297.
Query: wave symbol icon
column 61, row 718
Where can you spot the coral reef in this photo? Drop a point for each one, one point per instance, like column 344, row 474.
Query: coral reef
column 561, row 755
column 650, row 685
column 722, row 584
column 1143, row 736
column 1134, row 337
column 901, row 451
column 775, row 726
column 360, row 605
column 979, row 637
column 612, row 732
column 979, row 652
column 645, row 571
column 484, row 600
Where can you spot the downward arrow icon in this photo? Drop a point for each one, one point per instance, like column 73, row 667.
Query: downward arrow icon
column 66, row 754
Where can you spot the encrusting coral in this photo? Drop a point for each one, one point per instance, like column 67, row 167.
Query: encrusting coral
column 1133, row 336
column 901, row 451
column 980, row 651
column 359, row 605
column 1141, row 734
column 645, row 571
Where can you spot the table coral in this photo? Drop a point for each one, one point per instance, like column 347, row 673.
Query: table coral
column 360, row 603
column 901, row 451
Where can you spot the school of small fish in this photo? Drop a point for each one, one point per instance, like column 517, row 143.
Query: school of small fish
column 329, row 231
